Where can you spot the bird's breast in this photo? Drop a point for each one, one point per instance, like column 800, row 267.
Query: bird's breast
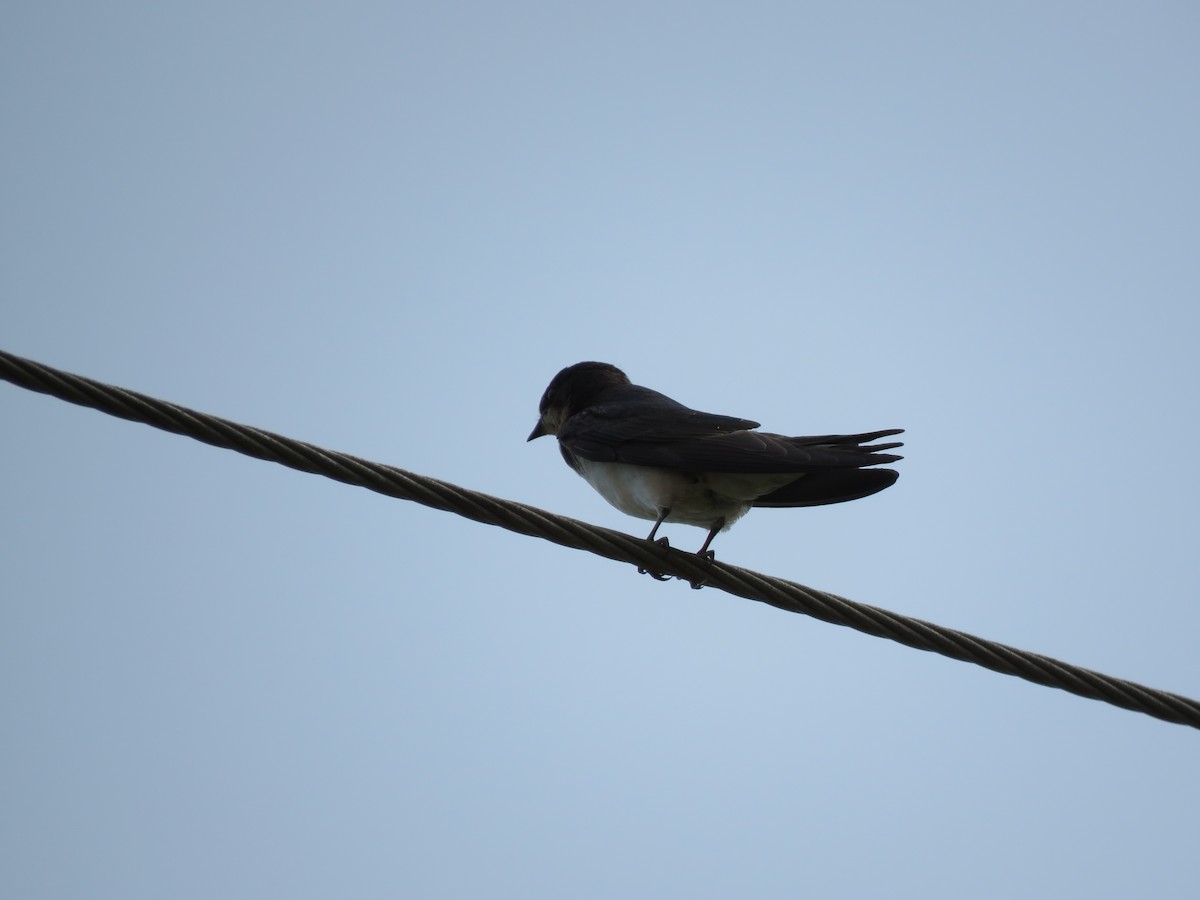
column 694, row 499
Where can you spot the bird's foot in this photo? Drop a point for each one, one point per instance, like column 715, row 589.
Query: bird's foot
column 708, row 556
column 657, row 576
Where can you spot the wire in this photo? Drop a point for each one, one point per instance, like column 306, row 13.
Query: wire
column 530, row 520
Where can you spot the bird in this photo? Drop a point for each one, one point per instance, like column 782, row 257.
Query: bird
column 656, row 459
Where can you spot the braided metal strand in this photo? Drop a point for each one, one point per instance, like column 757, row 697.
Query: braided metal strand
column 529, row 520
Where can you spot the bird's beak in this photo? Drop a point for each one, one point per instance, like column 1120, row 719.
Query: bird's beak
column 538, row 430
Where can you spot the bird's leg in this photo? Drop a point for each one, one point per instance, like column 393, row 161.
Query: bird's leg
column 706, row 554
column 712, row 533
column 662, row 542
column 662, row 517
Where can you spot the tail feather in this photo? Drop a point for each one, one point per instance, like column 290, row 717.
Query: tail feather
column 829, row 486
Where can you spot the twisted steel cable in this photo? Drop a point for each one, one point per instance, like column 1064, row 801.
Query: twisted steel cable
column 529, row 520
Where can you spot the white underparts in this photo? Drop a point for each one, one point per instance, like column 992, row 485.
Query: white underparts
column 701, row 500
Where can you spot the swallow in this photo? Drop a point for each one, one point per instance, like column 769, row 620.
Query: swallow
column 656, row 459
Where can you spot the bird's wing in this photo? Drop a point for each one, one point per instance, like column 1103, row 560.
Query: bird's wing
column 752, row 452
column 653, row 430
column 632, row 413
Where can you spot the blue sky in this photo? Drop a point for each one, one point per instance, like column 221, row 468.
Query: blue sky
column 383, row 228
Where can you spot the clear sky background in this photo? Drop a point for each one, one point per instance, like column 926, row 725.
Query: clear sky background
column 382, row 228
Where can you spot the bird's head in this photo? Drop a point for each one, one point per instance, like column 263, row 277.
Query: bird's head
column 571, row 390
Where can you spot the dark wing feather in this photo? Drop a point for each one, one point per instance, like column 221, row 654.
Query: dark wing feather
column 752, row 452
column 641, row 427
column 637, row 415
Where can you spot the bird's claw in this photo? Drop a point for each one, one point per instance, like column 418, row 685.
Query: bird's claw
column 708, row 557
column 657, row 576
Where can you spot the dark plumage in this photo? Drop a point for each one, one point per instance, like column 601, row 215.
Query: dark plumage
column 655, row 458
